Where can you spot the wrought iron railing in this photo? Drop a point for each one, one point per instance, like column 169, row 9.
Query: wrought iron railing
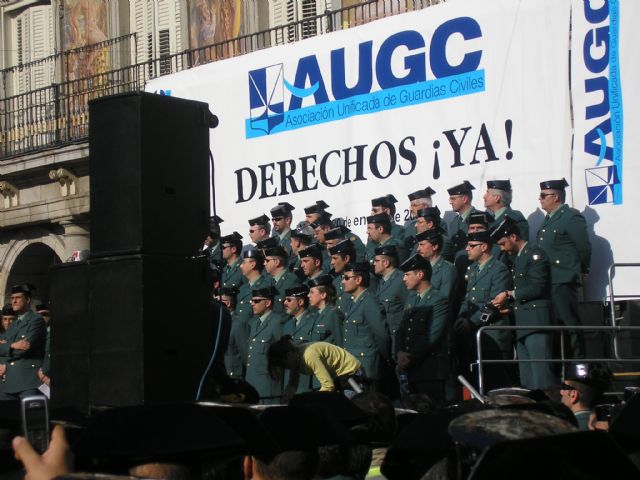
column 57, row 114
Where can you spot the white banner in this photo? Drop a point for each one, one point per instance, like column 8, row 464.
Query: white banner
column 605, row 74
column 464, row 90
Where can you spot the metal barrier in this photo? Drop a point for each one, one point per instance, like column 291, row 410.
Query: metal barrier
column 612, row 301
column 58, row 114
column 553, row 328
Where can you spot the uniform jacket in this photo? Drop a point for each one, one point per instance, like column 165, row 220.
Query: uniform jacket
column 231, row 275
column 424, row 336
column 235, row 357
column 482, row 287
column 23, row 365
column 343, row 299
column 531, row 285
column 444, row 278
column 366, row 334
column 261, row 336
column 391, row 294
column 564, row 238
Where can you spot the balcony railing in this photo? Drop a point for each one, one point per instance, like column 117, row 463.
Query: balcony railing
column 58, row 114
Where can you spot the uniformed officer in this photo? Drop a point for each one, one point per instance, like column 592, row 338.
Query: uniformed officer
column 313, row 212
column 460, row 198
column 311, row 261
column 429, row 219
column 366, row 334
column 417, row 200
column 265, row 328
column 22, row 353
column 301, row 238
column 563, row 236
column 421, row 341
column 212, row 244
column 480, row 222
column 497, row 201
column 322, row 225
column 530, row 296
column 275, row 263
column 444, row 277
column 342, row 254
column 379, row 235
column 322, row 297
column 301, row 326
column 44, row 372
column 235, row 356
column 259, row 228
column 390, row 292
column 281, row 217
column 231, row 251
column 387, row 205
column 252, row 268
column 486, row 278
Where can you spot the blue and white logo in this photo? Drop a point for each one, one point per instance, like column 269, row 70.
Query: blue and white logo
column 266, row 98
column 322, row 90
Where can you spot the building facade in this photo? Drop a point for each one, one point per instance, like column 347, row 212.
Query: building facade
column 60, row 54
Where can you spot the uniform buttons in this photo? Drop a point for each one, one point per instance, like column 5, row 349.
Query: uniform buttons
column 248, row 364
column 12, row 363
column 362, row 354
column 251, row 347
column 557, row 261
column 541, row 239
column 262, row 341
column 473, row 299
column 409, row 329
column 543, row 230
column 253, row 340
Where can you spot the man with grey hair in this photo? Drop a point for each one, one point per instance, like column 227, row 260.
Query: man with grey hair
column 497, row 201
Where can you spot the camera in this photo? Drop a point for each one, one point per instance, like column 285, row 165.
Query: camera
column 489, row 313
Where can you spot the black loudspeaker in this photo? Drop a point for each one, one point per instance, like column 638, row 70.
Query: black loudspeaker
column 151, row 338
column 149, row 174
column 70, row 327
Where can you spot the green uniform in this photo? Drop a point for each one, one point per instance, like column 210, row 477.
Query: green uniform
column 232, row 275
column 214, row 254
column 391, row 294
column 235, row 357
column 424, row 337
column 564, row 238
column 343, row 299
column 483, row 285
column 21, row 376
column 262, row 333
column 285, row 241
column 365, row 333
column 301, row 330
column 243, row 304
column 286, row 281
column 397, row 232
column 444, row 278
column 531, row 285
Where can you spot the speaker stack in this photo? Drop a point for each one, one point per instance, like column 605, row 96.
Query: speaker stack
column 130, row 324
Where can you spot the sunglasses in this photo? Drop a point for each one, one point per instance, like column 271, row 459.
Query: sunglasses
column 258, row 300
column 566, row 386
column 276, row 219
column 348, row 277
column 545, row 195
column 469, row 245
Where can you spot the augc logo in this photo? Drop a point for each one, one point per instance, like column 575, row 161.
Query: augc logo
column 276, row 105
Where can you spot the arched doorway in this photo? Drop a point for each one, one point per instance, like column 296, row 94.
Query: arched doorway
column 32, row 266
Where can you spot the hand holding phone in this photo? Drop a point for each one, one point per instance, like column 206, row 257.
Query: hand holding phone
column 35, row 422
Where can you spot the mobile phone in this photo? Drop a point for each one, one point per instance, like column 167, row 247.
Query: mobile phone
column 604, row 412
column 35, row 421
